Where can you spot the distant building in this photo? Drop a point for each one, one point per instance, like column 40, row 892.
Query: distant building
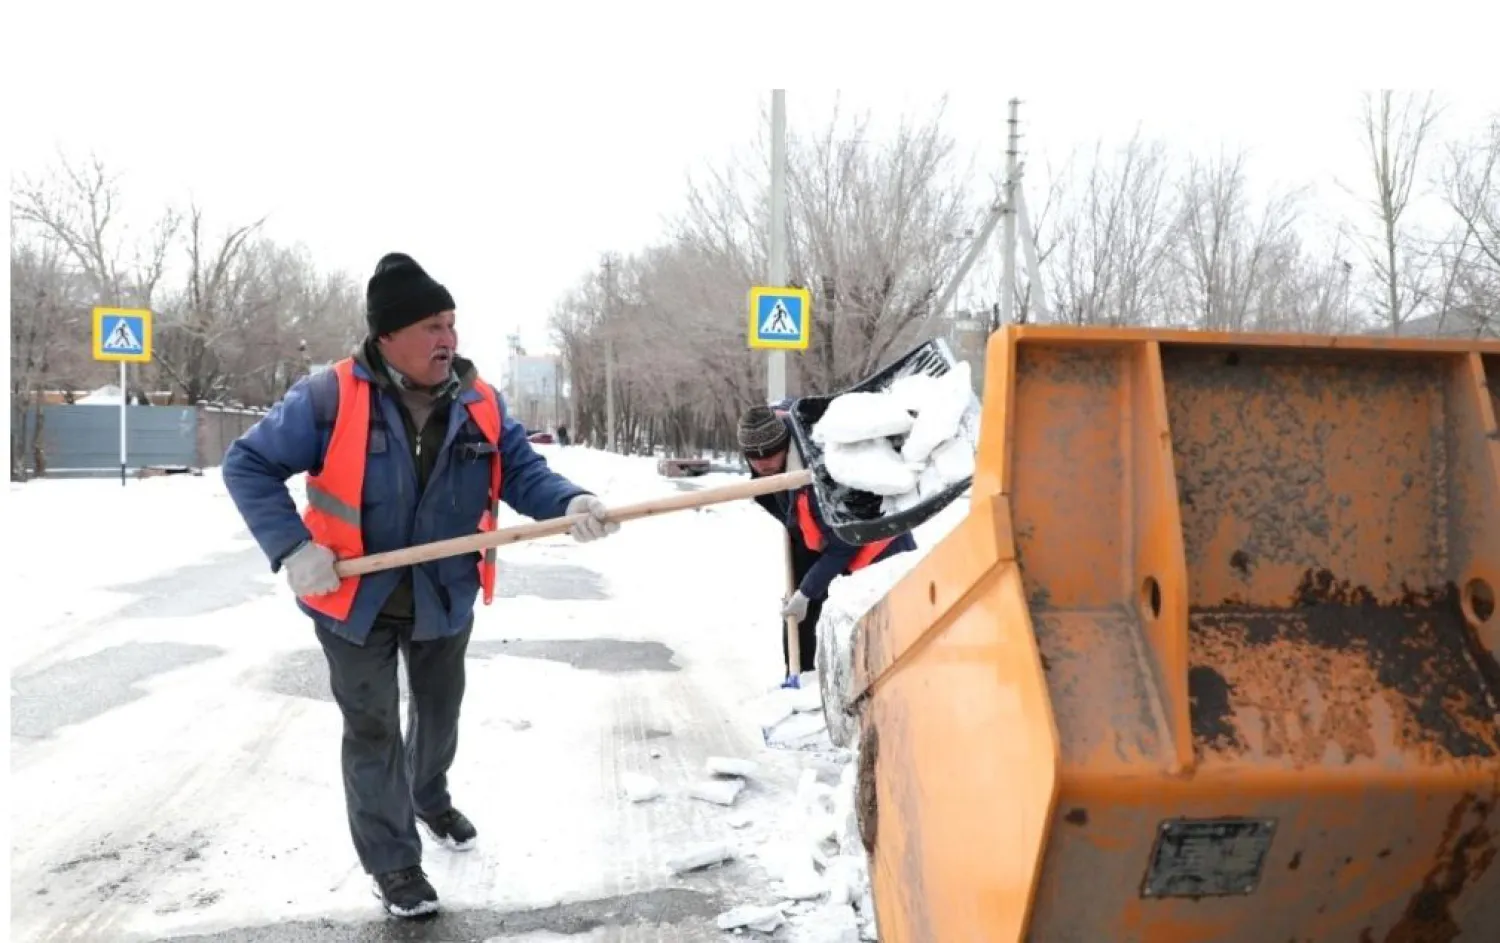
column 534, row 387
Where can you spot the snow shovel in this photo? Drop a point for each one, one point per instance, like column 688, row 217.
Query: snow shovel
column 856, row 516
column 478, row 542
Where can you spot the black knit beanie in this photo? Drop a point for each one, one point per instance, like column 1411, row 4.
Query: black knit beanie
column 762, row 433
column 400, row 294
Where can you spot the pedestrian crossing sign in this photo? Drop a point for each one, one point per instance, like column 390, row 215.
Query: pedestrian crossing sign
column 780, row 318
column 122, row 335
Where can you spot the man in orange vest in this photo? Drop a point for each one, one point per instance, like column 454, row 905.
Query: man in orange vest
column 818, row 556
column 403, row 444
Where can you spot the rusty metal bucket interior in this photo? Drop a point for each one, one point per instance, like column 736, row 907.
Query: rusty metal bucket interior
column 1216, row 642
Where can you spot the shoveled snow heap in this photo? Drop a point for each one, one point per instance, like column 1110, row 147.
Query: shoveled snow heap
column 905, row 443
column 823, row 882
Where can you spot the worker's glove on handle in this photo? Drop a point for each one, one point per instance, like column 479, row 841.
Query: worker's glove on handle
column 594, row 526
column 309, row 570
column 795, row 606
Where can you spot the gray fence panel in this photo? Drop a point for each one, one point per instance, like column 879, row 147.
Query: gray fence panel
column 87, row 438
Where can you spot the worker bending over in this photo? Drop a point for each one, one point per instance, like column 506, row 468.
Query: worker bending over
column 818, row 556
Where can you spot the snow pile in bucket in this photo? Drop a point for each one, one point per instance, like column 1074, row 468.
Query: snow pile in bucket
column 905, row 443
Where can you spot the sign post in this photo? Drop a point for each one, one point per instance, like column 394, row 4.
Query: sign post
column 122, row 335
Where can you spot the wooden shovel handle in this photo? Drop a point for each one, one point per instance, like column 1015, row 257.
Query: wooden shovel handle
column 438, row 549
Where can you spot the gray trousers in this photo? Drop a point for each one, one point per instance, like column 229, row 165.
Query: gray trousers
column 387, row 782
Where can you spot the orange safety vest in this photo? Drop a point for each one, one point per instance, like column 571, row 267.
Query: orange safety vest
column 812, row 535
column 334, row 496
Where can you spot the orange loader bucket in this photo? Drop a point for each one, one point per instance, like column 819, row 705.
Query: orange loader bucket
column 1212, row 657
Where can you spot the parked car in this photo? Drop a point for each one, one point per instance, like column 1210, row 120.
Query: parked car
column 540, row 438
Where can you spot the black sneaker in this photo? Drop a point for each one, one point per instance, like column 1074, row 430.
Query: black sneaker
column 452, row 829
column 406, row 893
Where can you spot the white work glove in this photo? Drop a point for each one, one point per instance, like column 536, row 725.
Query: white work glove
column 795, row 606
column 309, row 570
column 594, row 526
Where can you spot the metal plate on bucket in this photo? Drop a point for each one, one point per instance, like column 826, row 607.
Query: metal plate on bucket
column 1208, row 857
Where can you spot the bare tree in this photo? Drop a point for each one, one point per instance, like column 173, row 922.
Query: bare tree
column 78, row 206
column 248, row 317
column 1114, row 239
column 1470, row 257
column 1227, row 252
column 872, row 226
column 46, row 316
column 203, row 316
column 1396, row 130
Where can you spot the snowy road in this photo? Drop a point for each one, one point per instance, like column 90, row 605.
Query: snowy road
column 175, row 747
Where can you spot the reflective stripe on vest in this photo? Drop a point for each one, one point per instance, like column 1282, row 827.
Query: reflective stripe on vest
column 486, row 415
column 335, row 494
column 812, row 535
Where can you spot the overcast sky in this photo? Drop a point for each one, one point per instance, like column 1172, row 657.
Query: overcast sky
column 506, row 155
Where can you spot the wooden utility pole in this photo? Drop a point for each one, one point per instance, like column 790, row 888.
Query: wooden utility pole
column 609, row 353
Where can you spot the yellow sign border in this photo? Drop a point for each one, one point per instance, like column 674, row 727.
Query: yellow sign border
column 759, row 343
column 101, row 354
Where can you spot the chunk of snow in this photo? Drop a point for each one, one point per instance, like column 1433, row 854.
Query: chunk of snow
column 912, row 391
column 896, row 503
column 752, row 917
column 822, row 827
column 828, row 923
column 874, row 466
column 739, row 820
column 811, row 793
column 953, row 460
column 789, row 859
column 802, row 884
column 930, row 482
column 859, row 417
column 700, row 857
column 639, row 787
column 940, row 414
column 730, row 766
column 867, row 925
column 797, row 731
column 846, row 878
column 845, row 815
column 718, row 791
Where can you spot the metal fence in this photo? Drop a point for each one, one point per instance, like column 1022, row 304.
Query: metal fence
column 84, row 440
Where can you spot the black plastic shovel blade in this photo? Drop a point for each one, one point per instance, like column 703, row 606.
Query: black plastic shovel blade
column 853, row 515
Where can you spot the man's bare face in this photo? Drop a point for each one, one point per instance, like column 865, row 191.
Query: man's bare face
column 770, row 465
column 423, row 352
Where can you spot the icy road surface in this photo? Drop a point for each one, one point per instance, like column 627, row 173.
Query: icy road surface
column 175, row 749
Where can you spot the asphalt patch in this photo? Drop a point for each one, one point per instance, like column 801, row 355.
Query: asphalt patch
column 561, row 581
column 680, row 908
column 304, row 673
column 218, row 582
column 611, row 656
column 81, row 689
